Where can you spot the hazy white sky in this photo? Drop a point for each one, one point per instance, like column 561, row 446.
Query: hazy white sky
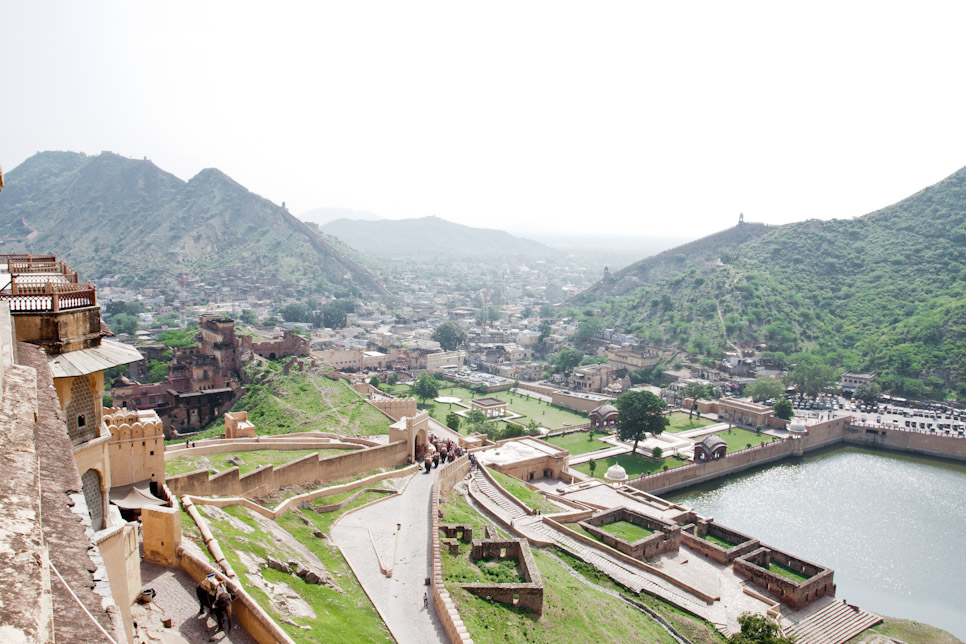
column 645, row 117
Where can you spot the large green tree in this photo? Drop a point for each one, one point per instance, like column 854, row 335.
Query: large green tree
column 783, row 409
column 449, row 335
column 694, row 391
column 757, row 629
column 811, row 376
column 425, row 387
column 868, row 392
column 765, row 388
column 639, row 413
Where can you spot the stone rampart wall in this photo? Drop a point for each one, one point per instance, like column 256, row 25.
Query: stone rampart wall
column 754, row 566
column 309, row 469
column 396, row 408
column 691, row 537
column 220, row 446
column 449, row 617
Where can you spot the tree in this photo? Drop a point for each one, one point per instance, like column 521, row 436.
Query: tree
column 783, row 409
column 248, row 317
column 639, row 413
column 296, row 312
column 336, row 313
column 592, row 464
column 566, row 360
column 374, row 381
column 694, row 390
column 392, row 379
column 425, row 387
column 124, row 323
column 476, row 421
column 453, row 421
column 757, row 629
column 657, row 452
column 449, row 335
column 587, row 330
column 765, row 388
column 868, row 392
column 811, row 377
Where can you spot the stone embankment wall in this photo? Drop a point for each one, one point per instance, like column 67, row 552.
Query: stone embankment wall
column 310, row 469
column 446, row 480
column 831, row 432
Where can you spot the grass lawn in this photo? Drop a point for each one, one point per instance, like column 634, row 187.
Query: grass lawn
column 572, row 610
column 348, row 616
column 250, row 460
column 718, row 541
column 519, row 489
column 738, row 438
column 907, row 630
column 577, row 443
column 680, row 423
column 786, row 572
column 544, row 414
column 630, row 532
column 633, row 464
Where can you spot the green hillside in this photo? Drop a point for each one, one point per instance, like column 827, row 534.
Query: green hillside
column 109, row 215
column 884, row 292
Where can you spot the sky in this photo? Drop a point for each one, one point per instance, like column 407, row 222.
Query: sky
column 629, row 118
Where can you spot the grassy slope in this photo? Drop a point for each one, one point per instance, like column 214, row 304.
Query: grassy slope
column 907, row 630
column 345, row 617
column 302, row 402
column 531, row 498
column 885, row 292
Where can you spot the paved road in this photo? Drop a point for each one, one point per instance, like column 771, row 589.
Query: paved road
column 399, row 599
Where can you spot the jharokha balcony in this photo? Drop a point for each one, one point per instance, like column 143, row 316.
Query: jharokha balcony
column 42, row 284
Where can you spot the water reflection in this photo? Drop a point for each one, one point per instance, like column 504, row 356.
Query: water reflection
column 892, row 526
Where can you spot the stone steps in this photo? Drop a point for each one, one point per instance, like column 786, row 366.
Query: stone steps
column 834, row 624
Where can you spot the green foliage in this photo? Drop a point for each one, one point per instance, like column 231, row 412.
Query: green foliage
column 392, row 379
column 592, row 464
column 783, row 409
column 657, row 452
column 374, row 381
column 868, row 392
column 296, row 312
column 587, row 330
column 811, row 376
column 453, row 421
column 765, row 388
column 107, row 401
column 248, row 317
column 335, row 314
column 694, row 390
column 157, row 371
column 425, row 387
column 179, row 339
column 639, row 413
column 449, row 335
column 757, row 629
column 565, row 361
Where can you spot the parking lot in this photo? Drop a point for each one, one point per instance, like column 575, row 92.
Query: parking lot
column 939, row 421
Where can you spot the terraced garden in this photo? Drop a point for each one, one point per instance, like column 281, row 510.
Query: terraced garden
column 681, row 423
column 577, row 443
column 630, row 532
column 633, row 464
column 248, row 460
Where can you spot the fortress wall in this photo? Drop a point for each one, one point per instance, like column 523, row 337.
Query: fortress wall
column 903, row 441
column 222, row 447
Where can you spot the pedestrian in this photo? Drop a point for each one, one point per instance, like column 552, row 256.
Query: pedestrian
column 425, row 600
column 186, row 445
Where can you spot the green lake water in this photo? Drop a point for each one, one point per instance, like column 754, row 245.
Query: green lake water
column 891, row 525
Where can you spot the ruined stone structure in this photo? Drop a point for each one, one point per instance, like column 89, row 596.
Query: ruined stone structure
column 666, row 536
column 237, row 425
column 755, row 566
column 290, row 344
column 528, row 594
column 693, row 533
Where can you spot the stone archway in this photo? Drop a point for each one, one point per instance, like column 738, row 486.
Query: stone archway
column 91, row 485
column 420, row 444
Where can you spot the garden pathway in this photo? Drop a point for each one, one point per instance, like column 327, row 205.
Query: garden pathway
column 399, row 599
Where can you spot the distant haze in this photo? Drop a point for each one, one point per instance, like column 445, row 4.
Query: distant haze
column 626, row 118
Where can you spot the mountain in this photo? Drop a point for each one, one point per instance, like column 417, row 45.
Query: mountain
column 885, row 292
column 322, row 216
column 108, row 215
column 415, row 238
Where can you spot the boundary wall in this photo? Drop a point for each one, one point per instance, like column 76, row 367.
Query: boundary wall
column 308, row 469
column 449, row 617
column 831, row 432
column 251, row 445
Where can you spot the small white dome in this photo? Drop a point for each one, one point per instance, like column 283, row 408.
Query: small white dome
column 797, row 426
column 616, row 473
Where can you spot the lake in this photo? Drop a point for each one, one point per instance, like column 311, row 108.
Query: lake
column 891, row 525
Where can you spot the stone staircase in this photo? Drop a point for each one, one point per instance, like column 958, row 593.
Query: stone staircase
column 836, row 623
column 508, row 510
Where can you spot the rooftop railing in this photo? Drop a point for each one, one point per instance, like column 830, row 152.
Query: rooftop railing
column 50, row 297
column 25, row 264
